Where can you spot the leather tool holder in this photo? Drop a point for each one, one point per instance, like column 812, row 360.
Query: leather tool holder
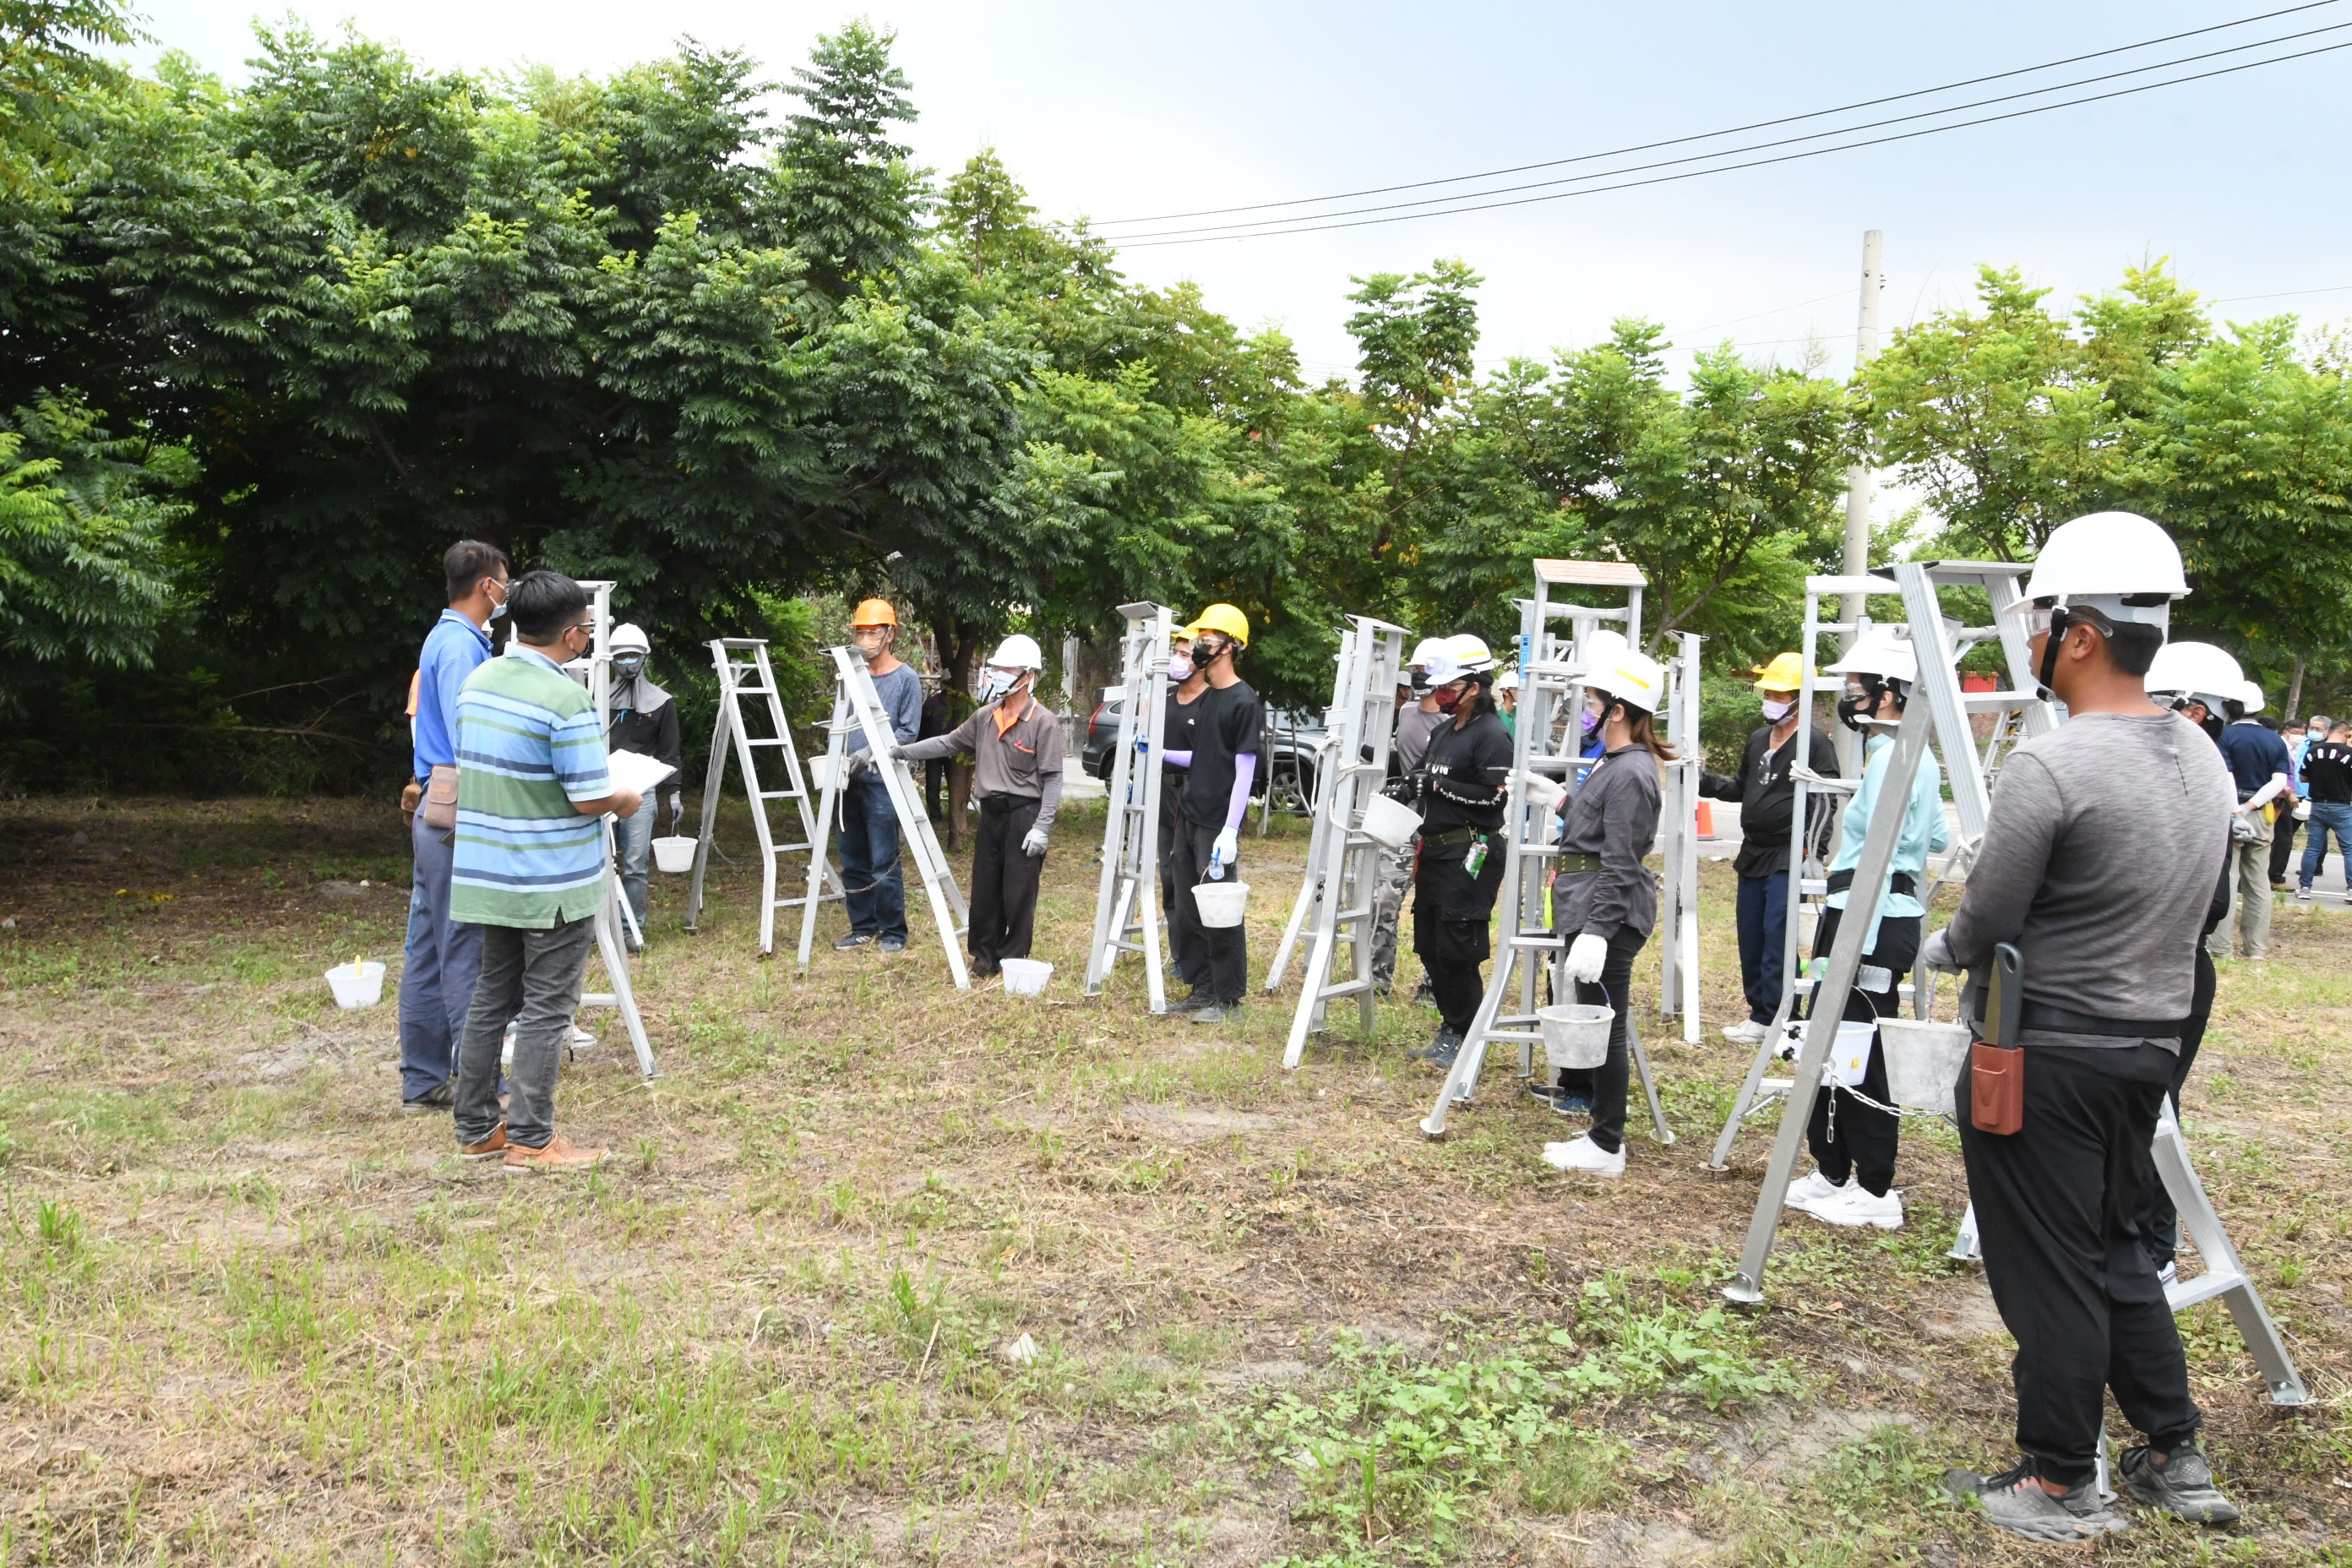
column 1997, row 1063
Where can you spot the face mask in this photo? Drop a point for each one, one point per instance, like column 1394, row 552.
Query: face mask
column 1853, row 706
column 1205, row 653
column 1776, row 712
column 499, row 609
column 1591, row 721
column 1180, row 667
column 628, row 666
column 1448, row 699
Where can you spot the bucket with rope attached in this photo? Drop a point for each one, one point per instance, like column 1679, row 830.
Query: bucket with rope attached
column 1575, row 1034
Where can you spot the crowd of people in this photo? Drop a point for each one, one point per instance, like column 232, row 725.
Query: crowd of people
column 2126, row 851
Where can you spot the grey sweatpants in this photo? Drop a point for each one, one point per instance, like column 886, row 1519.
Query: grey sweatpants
column 1391, row 879
column 532, row 977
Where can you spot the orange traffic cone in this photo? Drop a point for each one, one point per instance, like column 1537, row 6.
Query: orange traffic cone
column 1706, row 819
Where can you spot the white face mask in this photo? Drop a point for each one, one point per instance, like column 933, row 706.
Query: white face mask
column 997, row 682
column 1776, row 712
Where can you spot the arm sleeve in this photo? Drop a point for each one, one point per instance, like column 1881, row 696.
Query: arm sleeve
column 1182, row 758
column 2019, row 832
column 1237, row 803
column 1049, row 771
column 577, row 748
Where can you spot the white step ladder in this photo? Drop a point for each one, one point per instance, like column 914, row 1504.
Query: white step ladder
column 745, row 675
column 1548, row 736
column 1678, row 881
column 857, row 710
column 2020, row 713
column 1128, row 917
column 1344, row 863
column 1302, row 908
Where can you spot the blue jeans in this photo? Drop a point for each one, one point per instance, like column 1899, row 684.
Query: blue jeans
column 2328, row 817
column 876, row 886
column 439, row 966
column 1763, row 911
column 633, row 845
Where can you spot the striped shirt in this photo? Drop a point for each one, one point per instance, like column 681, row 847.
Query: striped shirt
column 529, row 744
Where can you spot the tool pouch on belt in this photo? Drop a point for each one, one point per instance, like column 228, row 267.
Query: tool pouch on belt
column 1997, row 1063
column 440, row 808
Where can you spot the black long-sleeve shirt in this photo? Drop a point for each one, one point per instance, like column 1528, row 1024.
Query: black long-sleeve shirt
column 1765, row 791
column 1466, row 771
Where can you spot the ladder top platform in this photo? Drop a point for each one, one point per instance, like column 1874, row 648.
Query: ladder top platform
column 1943, row 572
column 1591, row 573
column 1865, row 584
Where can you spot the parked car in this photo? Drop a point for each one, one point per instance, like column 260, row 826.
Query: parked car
column 1293, row 738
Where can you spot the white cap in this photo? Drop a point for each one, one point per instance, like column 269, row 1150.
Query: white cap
column 1019, row 651
column 1631, row 677
column 2106, row 560
column 629, row 634
column 1457, row 656
column 1882, row 651
column 1423, row 650
column 2250, row 694
column 2198, row 670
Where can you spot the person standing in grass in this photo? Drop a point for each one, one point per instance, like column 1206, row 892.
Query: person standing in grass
column 442, row 955
column 532, row 789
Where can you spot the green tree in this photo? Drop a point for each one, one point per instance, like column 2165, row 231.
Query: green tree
column 847, row 192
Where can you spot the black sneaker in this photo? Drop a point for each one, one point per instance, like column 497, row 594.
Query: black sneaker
column 1442, row 1049
column 1216, row 1013
column 440, row 1097
column 1571, row 1102
column 2013, row 1501
column 1192, row 1003
column 2181, row 1486
column 855, row 938
column 893, row 944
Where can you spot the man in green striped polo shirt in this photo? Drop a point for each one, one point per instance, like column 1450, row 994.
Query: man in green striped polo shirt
column 532, row 790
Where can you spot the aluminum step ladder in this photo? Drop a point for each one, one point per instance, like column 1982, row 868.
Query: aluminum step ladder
column 1345, row 866
column 1547, row 738
column 857, row 710
column 2020, row 713
column 1302, row 908
column 1127, row 916
column 1678, row 880
column 746, row 676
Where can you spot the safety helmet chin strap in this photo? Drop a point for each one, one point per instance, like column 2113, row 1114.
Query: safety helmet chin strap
column 2061, row 620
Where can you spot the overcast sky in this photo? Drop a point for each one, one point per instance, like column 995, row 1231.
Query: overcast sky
column 1120, row 112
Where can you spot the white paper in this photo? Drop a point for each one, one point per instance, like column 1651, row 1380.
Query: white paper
column 636, row 771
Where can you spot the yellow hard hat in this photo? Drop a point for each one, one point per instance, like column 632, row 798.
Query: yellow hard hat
column 1223, row 618
column 1785, row 673
column 875, row 613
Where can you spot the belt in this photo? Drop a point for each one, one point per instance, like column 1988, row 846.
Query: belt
column 1576, row 861
column 2063, row 1021
column 1451, row 835
column 1003, row 805
column 1901, row 882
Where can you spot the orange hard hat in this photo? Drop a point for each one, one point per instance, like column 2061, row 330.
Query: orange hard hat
column 875, row 613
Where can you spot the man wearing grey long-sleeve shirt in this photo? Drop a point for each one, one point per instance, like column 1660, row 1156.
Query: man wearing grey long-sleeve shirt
column 2098, row 859
column 873, row 884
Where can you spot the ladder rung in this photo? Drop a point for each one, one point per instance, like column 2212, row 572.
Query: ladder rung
column 1344, row 988
column 768, row 741
column 2182, row 1294
column 781, row 795
column 1517, row 1036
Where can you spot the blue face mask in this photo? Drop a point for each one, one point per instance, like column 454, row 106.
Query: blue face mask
column 499, row 610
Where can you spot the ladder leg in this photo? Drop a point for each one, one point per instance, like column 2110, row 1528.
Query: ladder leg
column 1319, row 969
column 624, row 995
column 714, row 779
column 1308, row 892
column 1465, row 1065
column 1750, row 1087
column 1664, row 1134
column 2204, row 1227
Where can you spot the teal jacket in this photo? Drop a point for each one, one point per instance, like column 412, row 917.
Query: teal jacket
column 1923, row 829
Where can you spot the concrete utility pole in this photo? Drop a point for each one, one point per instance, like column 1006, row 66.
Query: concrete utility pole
column 1858, row 477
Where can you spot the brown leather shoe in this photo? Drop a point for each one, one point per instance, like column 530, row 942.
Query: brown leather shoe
column 496, row 1144
column 557, row 1155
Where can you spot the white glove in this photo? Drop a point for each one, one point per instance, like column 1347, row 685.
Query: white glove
column 677, row 812
column 1224, row 853
column 1586, row 954
column 1936, row 953
column 1033, row 845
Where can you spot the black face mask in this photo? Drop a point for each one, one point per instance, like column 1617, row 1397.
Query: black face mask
column 1852, row 710
column 628, row 666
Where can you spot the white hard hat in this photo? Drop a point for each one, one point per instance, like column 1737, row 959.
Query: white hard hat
column 1602, row 646
column 629, row 634
column 1423, row 651
column 1019, row 651
column 2250, row 693
column 1508, row 681
column 2118, row 562
column 1457, row 656
column 1630, row 677
column 1881, row 652
column 2198, row 670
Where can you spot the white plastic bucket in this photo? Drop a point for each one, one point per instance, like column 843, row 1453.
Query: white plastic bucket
column 674, row 853
column 1850, row 1056
column 1025, row 976
column 1388, row 823
column 1923, row 1061
column 1221, row 904
column 1575, row 1034
column 820, row 773
column 356, row 984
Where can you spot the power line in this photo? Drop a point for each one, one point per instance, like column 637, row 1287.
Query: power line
column 1732, row 130
column 1148, row 242
column 1237, row 229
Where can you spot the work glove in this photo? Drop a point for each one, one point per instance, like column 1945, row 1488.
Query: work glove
column 1936, row 952
column 898, row 753
column 1586, row 954
column 1401, row 790
column 677, row 813
column 1224, row 853
column 1034, row 843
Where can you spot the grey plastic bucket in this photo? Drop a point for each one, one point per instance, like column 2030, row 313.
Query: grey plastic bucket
column 1575, row 1034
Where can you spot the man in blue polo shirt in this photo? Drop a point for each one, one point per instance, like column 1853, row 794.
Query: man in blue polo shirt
column 442, row 957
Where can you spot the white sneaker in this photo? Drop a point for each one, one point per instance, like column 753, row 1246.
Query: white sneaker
column 1813, row 1189
column 1854, row 1206
column 1583, row 1154
column 1746, row 1032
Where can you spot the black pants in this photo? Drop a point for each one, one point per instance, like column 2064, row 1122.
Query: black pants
column 1606, row 1085
column 1450, row 913
column 935, row 791
column 1004, row 881
column 1848, row 1137
column 2057, row 1214
column 2283, row 843
column 2160, row 1221
column 1215, row 958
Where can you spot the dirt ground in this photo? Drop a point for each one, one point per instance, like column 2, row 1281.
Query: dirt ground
column 885, row 1272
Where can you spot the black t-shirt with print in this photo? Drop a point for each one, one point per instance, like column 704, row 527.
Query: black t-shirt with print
column 2327, row 772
